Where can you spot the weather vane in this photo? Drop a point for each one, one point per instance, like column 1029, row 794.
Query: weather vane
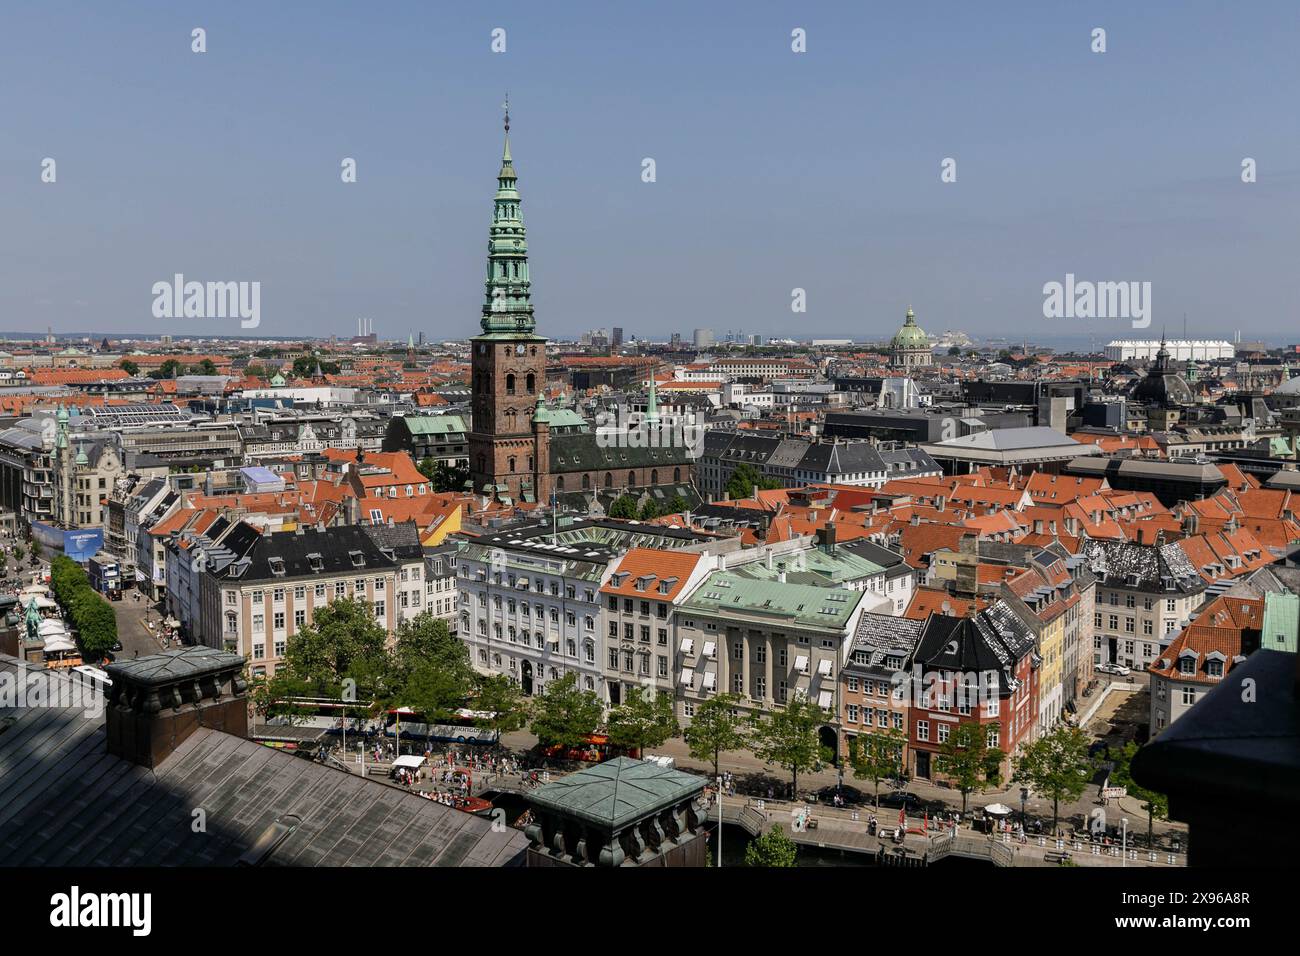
column 506, row 106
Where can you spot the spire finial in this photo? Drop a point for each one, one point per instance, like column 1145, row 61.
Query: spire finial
column 506, row 106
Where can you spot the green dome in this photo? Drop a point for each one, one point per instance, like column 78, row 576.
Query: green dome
column 910, row 336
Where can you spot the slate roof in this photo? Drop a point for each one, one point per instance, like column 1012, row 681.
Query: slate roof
column 581, row 451
column 65, row 801
column 994, row 639
column 332, row 549
column 882, row 635
column 1143, row 567
column 617, row 792
column 402, row 538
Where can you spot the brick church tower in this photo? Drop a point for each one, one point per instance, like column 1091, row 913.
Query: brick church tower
column 509, row 360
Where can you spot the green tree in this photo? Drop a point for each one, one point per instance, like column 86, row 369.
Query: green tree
column 745, row 478
column 448, row 477
column 623, row 507
column 342, row 641
column 954, row 350
column 878, row 756
column 1055, row 765
column 772, row 848
column 651, row 510
column 566, row 716
column 129, row 367
column 1155, row 804
column 715, row 729
column 19, row 552
column 968, row 759
column 169, row 369
column 95, row 622
column 789, row 738
column 430, row 669
column 677, row 505
column 273, row 696
column 644, row 719
column 205, row 367
column 501, row 697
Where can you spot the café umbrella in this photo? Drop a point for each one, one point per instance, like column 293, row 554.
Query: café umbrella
column 998, row 810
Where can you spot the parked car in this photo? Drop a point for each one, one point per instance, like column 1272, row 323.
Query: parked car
column 910, row 801
column 117, row 645
column 1118, row 670
column 850, row 795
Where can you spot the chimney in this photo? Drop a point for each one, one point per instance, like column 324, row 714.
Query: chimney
column 832, row 537
column 157, row 701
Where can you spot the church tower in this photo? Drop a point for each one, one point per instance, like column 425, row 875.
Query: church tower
column 509, row 358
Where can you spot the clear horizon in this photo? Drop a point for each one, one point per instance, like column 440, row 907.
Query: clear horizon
column 775, row 170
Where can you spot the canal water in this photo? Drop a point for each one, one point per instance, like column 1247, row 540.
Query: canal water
column 735, row 839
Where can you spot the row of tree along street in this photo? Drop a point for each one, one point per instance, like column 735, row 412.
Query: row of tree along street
column 345, row 654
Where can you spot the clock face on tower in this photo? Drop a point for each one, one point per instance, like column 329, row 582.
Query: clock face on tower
column 519, row 350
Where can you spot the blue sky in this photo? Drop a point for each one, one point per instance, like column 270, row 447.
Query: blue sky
column 775, row 170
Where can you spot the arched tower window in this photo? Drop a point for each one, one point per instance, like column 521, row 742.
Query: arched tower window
column 631, row 478
column 510, row 384
column 531, row 383
column 677, row 474
column 586, row 482
column 510, row 463
column 654, row 476
column 609, row 480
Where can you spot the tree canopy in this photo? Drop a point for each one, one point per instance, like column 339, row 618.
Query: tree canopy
column 789, row 738
column 565, row 716
column 1056, row 766
column 624, row 506
column 715, row 729
column 645, row 719
column 743, row 480
column 878, row 756
column 968, row 759
column 92, row 617
column 1155, row 804
column 772, row 848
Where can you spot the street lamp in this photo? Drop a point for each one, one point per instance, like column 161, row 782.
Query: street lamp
column 719, row 821
column 1024, row 798
column 1123, row 851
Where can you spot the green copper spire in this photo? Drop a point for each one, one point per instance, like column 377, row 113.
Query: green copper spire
column 508, row 304
column 652, row 403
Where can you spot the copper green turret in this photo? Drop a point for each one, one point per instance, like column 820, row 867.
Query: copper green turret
column 507, row 306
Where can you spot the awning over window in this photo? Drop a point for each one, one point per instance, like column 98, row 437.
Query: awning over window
column 688, row 645
column 710, row 648
column 801, row 664
column 710, row 680
column 688, row 676
column 824, row 700
column 824, row 668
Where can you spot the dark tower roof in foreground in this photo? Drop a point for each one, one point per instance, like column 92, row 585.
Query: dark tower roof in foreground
column 66, row 801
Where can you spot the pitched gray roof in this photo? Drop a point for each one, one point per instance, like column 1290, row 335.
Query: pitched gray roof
column 65, row 801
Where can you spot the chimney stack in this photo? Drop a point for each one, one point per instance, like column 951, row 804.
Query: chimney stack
column 157, row 701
